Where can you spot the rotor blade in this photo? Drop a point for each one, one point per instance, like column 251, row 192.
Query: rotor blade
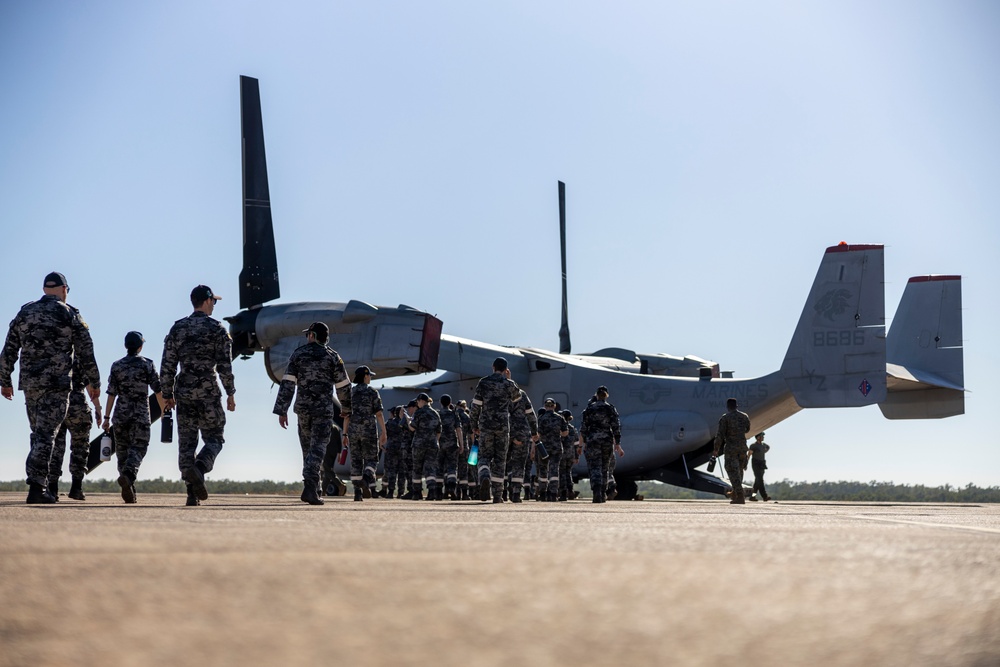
column 564, row 344
column 259, row 277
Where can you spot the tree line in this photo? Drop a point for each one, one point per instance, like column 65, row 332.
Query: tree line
column 784, row 490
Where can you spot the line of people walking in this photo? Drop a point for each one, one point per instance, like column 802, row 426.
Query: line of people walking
column 58, row 374
column 486, row 453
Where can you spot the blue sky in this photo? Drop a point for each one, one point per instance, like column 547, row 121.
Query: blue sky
column 711, row 152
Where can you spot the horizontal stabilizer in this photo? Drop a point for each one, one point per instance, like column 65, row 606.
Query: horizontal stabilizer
column 837, row 354
column 926, row 371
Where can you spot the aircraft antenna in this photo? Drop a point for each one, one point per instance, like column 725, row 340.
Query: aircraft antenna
column 564, row 345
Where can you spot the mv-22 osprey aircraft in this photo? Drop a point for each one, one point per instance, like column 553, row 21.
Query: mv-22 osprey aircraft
column 839, row 354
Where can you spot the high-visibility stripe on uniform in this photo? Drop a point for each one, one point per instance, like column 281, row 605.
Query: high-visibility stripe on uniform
column 290, row 378
column 476, row 401
column 344, row 383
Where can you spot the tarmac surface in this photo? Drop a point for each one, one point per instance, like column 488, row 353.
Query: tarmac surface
column 267, row 580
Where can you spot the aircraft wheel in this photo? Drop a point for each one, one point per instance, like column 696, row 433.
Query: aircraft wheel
column 627, row 488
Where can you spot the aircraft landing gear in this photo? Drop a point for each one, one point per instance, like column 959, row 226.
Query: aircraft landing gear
column 627, row 489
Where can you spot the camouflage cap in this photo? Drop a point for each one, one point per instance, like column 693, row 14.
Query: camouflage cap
column 320, row 329
column 55, row 279
column 134, row 339
column 424, row 397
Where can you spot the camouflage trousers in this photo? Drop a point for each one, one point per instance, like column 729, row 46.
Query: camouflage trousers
column 736, row 461
column 78, row 423
column 462, row 470
column 758, row 477
column 518, row 458
column 46, row 413
column 194, row 417
column 447, row 465
column 425, row 459
column 566, row 464
column 548, row 470
column 493, row 457
column 392, row 468
column 131, row 445
column 598, row 453
column 364, row 457
column 406, row 465
column 609, row 469
column 330, row 458
column 314, row 439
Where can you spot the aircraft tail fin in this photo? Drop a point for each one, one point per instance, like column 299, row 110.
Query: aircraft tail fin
column 837, row 354
column 926, row 374
column 259, row 277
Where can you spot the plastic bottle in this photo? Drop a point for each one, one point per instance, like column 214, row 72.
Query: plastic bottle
column 167, row 426
column 474, row 454
column 106, row 447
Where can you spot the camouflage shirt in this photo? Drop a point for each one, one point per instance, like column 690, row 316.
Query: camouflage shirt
column 128, row 382
column 491, row 405
column 426, row 426
column 523, row 422
column 572, row 440
column 396, row 432
column 316, row 370
column 202, row 347
column 733, row 428
column 463, row 416
column 601, row 421
column 365, row 404
column 449, row 422
column 48, row 335
column 550, row 427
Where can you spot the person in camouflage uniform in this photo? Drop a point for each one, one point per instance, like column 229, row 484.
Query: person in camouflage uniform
column 523, row 431
column 202, row 347
column 363, row 433
column 551, row 430
column 602, row 437
column 395, row 430
column 47, row 335
column 426, row 427
column 130, row 378
column 733, row 429
column 316, row 369
column 758, row 462
column 450, row 444
column 332, row 484
column 77, row 425
column 570, row 456
column 407, row 455
column 491, row 423
column 462, row 470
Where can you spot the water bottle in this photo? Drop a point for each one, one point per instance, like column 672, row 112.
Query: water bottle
column 342, row 459
column 541, row 451
column 106, row 447
column 711, row 464
column 167, row 426
column 474, row 454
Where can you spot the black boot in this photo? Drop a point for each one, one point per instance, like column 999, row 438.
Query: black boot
column 406, row 496
column 417, row 494
column 451, row 491
column 358, row 495
column 366, row 490
column 484, row 490
column 309, row 494
column 192, row 499
column 195, row 476
column 464, row 495
column 515, row 495
column 53, row 489
column 39, row 495
column 76, row 490
column 128, row 491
